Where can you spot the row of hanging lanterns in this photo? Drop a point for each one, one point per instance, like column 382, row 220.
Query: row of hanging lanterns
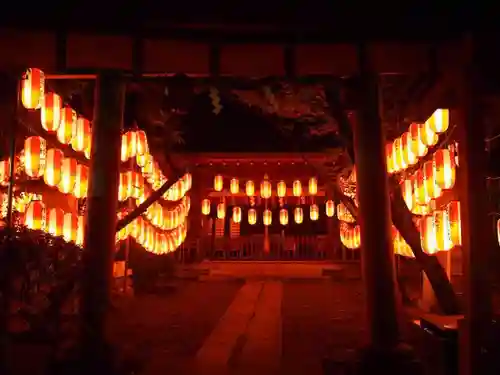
column 75, row 130
column 429, row 181
column 168, row 219
column 412, row 145
column 71, row 228
column 350, row 236
column 221, row 211
column 57, row 171
column 266, row 187
column 55, row 222
column 71, row 177
column 153, row 240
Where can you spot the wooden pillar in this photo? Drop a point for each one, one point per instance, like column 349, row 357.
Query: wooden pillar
column 383, row 352
column 477, row 236
column 100, row 226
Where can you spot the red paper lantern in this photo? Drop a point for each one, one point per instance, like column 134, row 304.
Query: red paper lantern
column 81, row 181
column 80, row 231
column 70, row 227
column 55, row 222
column 81, row 139
column 444, row 163
column 35, row 153
column 417, row 146
column 52, row 175
column 68, row 175
column 32, row 88
column 123, row 187
column 34, row 218
column 142, row 143
column 432, row 190
column 50, row 112
column 67, row 128
column 4, row 172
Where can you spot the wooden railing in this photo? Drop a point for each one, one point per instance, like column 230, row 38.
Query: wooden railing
column 253, row 248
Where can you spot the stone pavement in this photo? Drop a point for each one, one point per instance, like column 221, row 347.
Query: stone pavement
column 279, row 326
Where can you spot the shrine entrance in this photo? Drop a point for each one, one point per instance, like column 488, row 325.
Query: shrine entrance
column 266, row 207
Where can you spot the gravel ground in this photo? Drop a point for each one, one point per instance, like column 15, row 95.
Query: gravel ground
column 167, row 329
column 321, row 319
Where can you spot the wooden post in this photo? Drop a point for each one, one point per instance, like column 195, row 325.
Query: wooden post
column 477, row 236
column 100, row 226
column 384, row 352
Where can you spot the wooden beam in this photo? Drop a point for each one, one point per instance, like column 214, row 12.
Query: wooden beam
column 91, row 52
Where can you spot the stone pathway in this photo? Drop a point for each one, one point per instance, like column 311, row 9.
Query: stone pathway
column 222, row 327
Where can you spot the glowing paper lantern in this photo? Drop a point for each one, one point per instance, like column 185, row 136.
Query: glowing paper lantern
column 314, row 212
column 283, row 216
column 417, row 146
column 35, row 153
column 397, row 155
column 234, row 186
column 236, row 214
column 4, row 172
column 455, row 222
column 218, row 183
column 250, row 188
column 281, row 189
column 131, row 144
column 313, row 186
column 205, row 207
column 297, row 188
column 123, row 187
column 252, row 216
column 330, row 208
column 67, row 127
column 50, row 112
column 267, row 217
column 298, row 215
column 428, row 235
column 432, row 190
column 142, row 143
column 35, row 215
column 68, row 175
column 391, row 168
column 442, row 231
column 265, row 189
column 427, row 135
column 32, row 88
column 439, row 120
column 444, row 165
column 52, row 174
column 81, row 139
column 409, row 157
column 81, row 181
column 70, row 227
column 55, row 222
column 81, row 230
column 221, row 211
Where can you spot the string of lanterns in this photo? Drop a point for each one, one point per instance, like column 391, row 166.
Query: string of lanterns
column 439, row 228
column 167, row 226
column 267, row 214
column 266, row 190
column 71, row 227
column 414, row 144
